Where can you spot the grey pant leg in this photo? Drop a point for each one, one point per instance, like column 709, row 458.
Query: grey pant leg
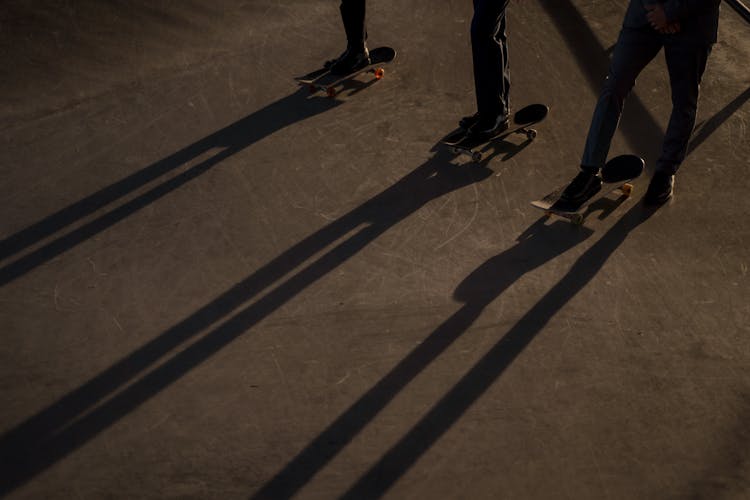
column 634, row 50
column 686, row 64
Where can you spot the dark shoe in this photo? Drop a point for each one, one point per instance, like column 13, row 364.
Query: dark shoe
column 328, row 64
column 585, row 185
column 660, row 189
column 350, row 61
column 331, row 62
column 489, row 126
column 468, row 121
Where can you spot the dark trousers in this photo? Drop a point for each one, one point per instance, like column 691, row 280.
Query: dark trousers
column 489, row 49
column 353, row 16
column 634, row 50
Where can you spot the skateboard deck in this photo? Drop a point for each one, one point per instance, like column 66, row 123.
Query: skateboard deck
column 460, row 142
column 323, row 79
column 616, row 177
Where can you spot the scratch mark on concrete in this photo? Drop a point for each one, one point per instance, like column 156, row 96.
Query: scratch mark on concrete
column 160, row 422
column 117, row 323
column 468, row 224
column 346, row 377
column 56, row 297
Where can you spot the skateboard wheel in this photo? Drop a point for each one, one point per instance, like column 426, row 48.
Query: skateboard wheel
column 331, row 92
column 455, row 151
column 531, row 134
column 379, row 73
column 577, row 219
column 476, row 157
column 627, row 189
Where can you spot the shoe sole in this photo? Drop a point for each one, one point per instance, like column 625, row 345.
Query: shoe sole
column 572, row 207
column 657, row 202
column 660, row 200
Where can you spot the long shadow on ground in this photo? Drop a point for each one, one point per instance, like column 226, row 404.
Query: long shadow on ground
column 54, row 432
column 711, row 125
column 537, row 246
column 79, row 416
column 479, row 289
column 229, row 141
column 644, row 136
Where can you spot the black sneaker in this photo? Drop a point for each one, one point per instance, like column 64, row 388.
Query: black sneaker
column 468, row 121
column 487, row 127
column 331, row 62
column 660, row 189
column 585, row 185
column 350, row 61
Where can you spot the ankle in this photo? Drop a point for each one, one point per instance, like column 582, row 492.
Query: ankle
column 589, row 169
column 356, row 48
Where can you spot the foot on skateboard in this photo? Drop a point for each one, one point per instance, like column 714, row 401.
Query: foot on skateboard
column 325, row 79
column 463, row 142
column 615, row 177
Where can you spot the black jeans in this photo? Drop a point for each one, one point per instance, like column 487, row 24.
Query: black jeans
column 353, row 16
column 635, row 48
column 490, row 53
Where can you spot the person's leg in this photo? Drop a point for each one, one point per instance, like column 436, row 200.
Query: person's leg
column 356, row 55
column 353, row 16
column 686, row 64
column 633, row 51
column 490, row 58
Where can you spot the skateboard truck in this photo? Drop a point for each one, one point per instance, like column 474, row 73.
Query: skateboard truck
column 476, row 156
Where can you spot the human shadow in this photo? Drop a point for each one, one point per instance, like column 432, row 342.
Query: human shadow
column 740, row 8
column 710, row 126
column 210, row 151
column 77, row 417
column 476, row 291
column 538, row 245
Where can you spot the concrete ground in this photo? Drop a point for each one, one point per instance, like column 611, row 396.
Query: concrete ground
column 215, row 285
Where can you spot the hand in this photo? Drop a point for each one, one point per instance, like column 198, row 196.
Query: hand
column 671, row 28
column 657, row 17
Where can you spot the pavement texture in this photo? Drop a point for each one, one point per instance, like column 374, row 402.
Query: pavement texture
column 217, row 285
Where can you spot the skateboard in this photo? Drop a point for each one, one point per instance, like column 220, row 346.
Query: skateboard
column 323, row 79
column 460, row 142
column 616, row 177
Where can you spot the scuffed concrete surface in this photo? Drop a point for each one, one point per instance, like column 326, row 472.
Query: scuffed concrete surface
column 215, row 285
